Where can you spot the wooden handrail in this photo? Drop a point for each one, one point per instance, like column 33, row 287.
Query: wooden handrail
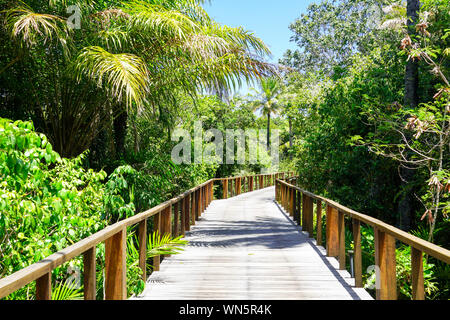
column 187, row 207
column 236, row 185
column 385, row 236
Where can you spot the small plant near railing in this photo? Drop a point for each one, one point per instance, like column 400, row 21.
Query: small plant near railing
column 67, row 291
column 156, row 245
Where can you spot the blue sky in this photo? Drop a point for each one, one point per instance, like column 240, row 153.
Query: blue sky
column 267, row 19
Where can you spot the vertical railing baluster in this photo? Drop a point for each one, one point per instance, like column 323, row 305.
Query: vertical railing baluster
column 332, row 233
column 89, row 275
column 142, row 237
column 385, row 261
column 187, row 214
column 44, row 287
column 319, row 223
column 418, row 292
column 157, row 228
column 176, row 219
column 225, row 189
column 115, row 266
column 194, row 212
column 341, row 232
column 183, row 217
column 357, row 255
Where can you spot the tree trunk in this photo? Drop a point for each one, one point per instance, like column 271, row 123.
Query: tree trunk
column 412, row 101
column 120, row 131
column 412, row 67
column 268, row 131
column 291, row 144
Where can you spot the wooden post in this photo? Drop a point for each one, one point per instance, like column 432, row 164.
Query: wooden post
column 176, row 219
column 167, row 218
column 385, row 273
column 418, row 292
column 116, row 267
column 187, row 215
column 89, row 280
column 294, row 200
column 276, row 192
column 303, row 212
column 204, row 195
column 198, row 204
column 183, row 216
column 211, row 192
column 299, row 208
column 341, row 225
column 44, row 287
column 142, row 235
column 167, row 215
column 261, row 182
column 194, row 211
column 319, row 223
column 357, row 255
column 310, row 216
column 157, row 228
column 225, row 188
column 332, row 236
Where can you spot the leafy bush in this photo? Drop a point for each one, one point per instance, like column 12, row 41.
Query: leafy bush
column 46, row 202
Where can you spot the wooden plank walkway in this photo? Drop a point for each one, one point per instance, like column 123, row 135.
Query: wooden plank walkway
column 247, row 248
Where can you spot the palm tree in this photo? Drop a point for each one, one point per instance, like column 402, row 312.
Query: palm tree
column 289, row 102
column 266, row 100
column 129, row 56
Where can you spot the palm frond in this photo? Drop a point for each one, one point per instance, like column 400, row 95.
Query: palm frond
column 124, row 76
column 67, row 291
column 191, row 8
column 29, row 28
column 161, row 245
column 156, row 21
column 239, row 37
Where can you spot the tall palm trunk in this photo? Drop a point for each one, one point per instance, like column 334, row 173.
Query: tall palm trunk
column 411, row 100
column 412, row 67
column 120, row 131
column 290, row 137
column 268, row 131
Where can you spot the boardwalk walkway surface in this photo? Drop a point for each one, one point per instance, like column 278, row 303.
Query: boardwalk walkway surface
column 247, row 248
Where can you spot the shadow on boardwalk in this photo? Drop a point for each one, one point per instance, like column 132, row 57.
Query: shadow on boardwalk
column 246, row 247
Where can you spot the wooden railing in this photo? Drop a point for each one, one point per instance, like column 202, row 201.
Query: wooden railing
column 299, row 204
column 174, row 217
column 236, row 185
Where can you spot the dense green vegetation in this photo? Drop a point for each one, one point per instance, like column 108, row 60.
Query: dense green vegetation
column 87, row 117
column 358, row 136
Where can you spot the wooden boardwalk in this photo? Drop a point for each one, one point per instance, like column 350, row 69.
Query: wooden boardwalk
column 247, row 248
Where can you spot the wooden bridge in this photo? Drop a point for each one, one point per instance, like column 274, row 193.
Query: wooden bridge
column 256, row 243
column 248, row 248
